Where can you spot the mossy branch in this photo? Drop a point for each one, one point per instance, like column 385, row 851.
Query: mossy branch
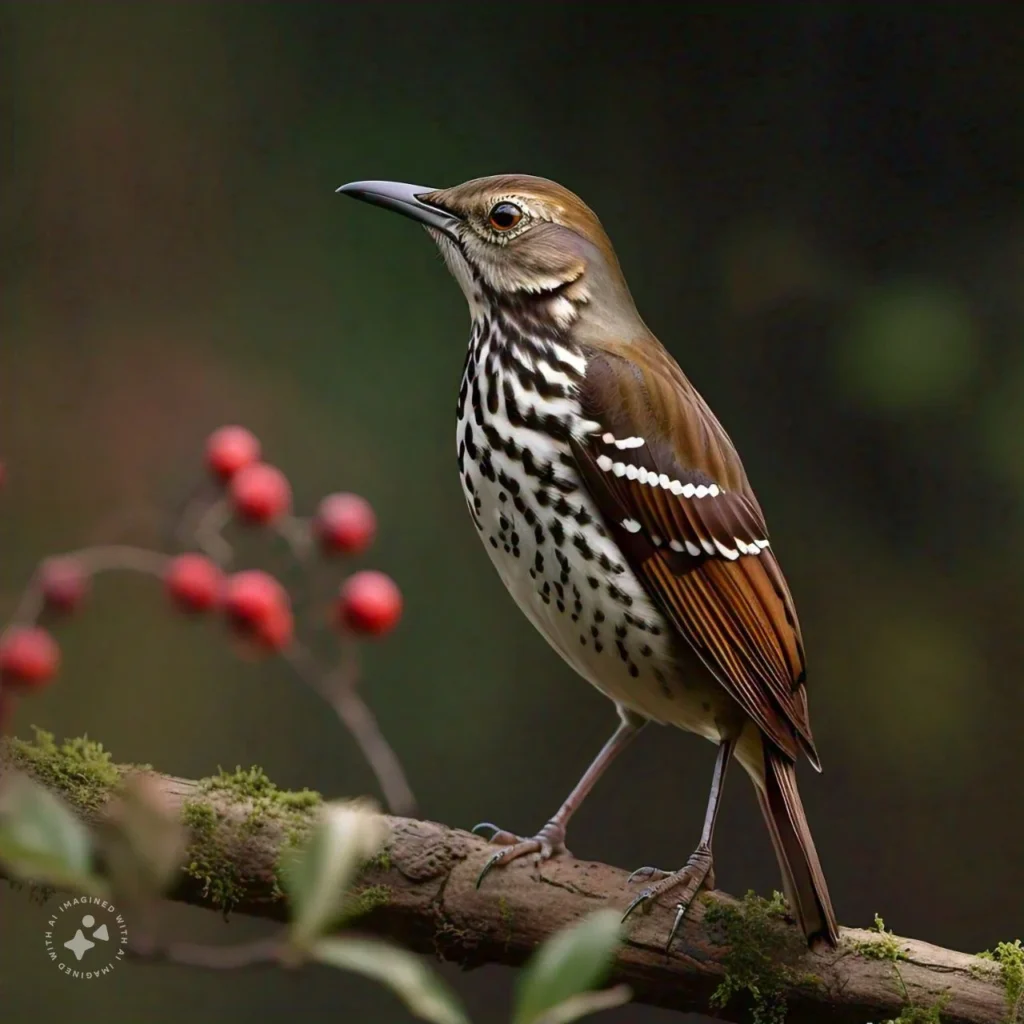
column 740, row 958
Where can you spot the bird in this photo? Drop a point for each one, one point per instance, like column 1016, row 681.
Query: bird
column 619, row 516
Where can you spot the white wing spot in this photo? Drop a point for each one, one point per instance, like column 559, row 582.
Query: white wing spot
column 688, row 490
column 630, row 442
column 692, row 549
column 762, row 544
column 713, row 490
column 632, row 472
column 676, row 546
column 608, row 438
column 676, row 488
column 603, row 462
column 655, row 540
column 701, row 492
column 619, row 468
column 632, row 525
column 730, row 553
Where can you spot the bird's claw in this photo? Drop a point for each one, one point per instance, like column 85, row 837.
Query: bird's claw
column 495, row 830
column 647, row 872
column 547, row 843
column 697, row 874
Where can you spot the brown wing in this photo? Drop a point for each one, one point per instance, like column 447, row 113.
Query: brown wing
column 679, row 504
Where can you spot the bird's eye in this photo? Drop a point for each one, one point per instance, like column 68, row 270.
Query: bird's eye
column 504, row 216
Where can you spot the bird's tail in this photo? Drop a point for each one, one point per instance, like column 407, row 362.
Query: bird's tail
column 802, row 877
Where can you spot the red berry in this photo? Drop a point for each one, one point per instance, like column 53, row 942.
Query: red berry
column 276, row 629
column 29, row 657
column 345, row 523
column 193, row 582
column 64, row 582
column 261, row 493
column 257, row 606
column 369, row 603
column 230, row 449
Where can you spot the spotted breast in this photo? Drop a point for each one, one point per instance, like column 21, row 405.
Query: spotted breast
column 518, row 409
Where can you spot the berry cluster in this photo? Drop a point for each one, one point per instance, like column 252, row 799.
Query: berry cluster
column 254, row 604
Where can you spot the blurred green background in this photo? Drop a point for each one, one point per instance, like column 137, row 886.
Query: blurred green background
column 819, row 210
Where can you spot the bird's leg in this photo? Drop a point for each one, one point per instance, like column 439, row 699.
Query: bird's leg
column 699, row 869
column 550, row 840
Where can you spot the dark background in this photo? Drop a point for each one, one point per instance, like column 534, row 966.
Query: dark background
column 819, row 209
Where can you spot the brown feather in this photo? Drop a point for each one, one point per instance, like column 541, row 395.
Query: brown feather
column 733, row 608
column 802, row 877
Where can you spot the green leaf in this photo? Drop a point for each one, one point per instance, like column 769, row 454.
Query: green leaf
column 586, row 1003
column 142, row 840
column 405, row 974
column 316, row 876
column 41, row 839
column 569, row 963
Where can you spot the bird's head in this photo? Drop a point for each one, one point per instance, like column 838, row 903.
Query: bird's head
column 518, row 238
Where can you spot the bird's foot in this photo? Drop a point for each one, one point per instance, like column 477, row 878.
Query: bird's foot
column 547, row 843
column 699, row 873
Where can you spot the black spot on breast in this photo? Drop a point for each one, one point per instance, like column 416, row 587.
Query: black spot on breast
column 467, row 438
column 633, row 670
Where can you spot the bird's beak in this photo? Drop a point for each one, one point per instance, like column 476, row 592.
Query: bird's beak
column 404, row 199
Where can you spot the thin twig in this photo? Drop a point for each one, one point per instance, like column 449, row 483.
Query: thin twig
column 338, row 688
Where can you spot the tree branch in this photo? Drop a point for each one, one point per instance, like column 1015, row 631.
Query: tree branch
column 422, row 894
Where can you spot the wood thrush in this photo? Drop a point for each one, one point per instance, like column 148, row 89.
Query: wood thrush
column 618, row 514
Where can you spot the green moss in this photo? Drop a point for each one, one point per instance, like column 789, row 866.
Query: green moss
column 217, row 821
column 382, row 860
column 368, row 898
column 921, row 1014
column 885, row 947
column 760, row 949
column 888, row 947
column 1009, row 958
column 206, row 860
column 79, row 769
